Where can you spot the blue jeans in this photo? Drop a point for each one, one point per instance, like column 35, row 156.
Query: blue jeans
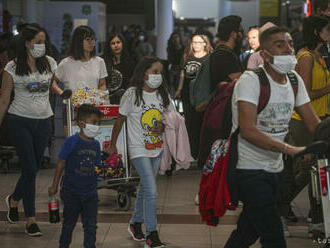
column 258, row 191
column 73, row 206
column 146, row 201
column 30, row 138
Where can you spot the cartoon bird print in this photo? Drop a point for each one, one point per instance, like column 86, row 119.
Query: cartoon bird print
column 148, row 121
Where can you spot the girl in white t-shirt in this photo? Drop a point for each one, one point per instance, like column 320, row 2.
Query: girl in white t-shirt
column 82, row 68
column 29, row 76
column 142, row 106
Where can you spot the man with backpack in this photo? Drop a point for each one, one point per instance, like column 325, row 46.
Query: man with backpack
column 224, row 62
column 223, row 66
column 261, row 139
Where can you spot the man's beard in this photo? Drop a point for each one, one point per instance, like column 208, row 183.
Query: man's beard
column 238, row 46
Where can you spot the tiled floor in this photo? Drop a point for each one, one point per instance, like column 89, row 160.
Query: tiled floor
column 179, row 221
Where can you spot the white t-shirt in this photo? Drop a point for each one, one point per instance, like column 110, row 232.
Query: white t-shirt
column 140, row 119
column 75, row 74
column 273, row 119
column 31, row 92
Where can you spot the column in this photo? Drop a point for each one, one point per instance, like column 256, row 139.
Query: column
column 1, row 15
column 30, row 11
column 164, row 26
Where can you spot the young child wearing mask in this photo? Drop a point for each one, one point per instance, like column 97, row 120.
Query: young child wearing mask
column 79, row 156
column 142, row 107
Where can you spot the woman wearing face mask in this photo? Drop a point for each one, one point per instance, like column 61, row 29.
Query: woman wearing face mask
column 313, row 70
column 82, row 68
column 29, row 76
column 143, row 48
column 119, row 65
column 193, row 58
column 142, row 107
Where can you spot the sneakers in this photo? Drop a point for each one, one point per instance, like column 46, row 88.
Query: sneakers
column 33, row 230
column 12, row 214
column 135, row 231
column 286, row 232
column 153, row 241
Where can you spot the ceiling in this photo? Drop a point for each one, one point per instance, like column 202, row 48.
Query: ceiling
column 124, row 6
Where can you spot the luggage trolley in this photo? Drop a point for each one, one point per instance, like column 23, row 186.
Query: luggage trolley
column 126, row 183
column 320, row 181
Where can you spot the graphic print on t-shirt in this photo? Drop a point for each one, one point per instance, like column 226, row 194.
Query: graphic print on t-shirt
column 274, row 119
column 37, row 86
column 116, row 80
column 39, row 91
column 149, row 119
column 86, row 163
column 191, row 68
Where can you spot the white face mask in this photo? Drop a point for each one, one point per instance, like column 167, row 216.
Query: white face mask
column 38, row 50
column 91, row 131
column 154, row 80
column 283, row 63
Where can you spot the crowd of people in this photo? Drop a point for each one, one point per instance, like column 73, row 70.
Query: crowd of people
column 267, row 177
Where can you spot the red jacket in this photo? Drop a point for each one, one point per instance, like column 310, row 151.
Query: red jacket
column 214, row 196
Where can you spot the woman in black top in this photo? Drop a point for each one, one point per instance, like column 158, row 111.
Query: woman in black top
column 195, row 54
column 193, row 58
column 120, row 65
column 175, row 51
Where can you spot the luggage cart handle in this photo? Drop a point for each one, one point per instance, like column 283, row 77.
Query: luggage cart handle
column 66, row 94
column 117, row 93
column 319, row 148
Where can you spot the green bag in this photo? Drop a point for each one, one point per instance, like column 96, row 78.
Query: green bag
column 200, row 87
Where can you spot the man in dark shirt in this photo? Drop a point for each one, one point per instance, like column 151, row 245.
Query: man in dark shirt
column 224, row 61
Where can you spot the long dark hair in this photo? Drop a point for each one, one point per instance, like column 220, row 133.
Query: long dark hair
column 22, row 66
column 312, row 26
column 109, row 56
column 137, row 81
column 170, row 43
column 76, row 50
column 49, row 50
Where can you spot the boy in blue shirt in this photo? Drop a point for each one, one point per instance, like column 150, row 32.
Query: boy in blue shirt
column 78, row 156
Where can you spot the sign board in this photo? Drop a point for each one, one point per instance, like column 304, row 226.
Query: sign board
column 269, row 8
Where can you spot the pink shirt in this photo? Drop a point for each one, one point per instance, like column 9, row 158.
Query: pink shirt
column 255, row 60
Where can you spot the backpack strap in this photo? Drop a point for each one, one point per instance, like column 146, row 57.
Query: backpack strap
column 294, row 82
column 264, row 88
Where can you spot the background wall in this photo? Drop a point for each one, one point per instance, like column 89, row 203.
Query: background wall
column 196, row 8
column 248, row 10
column 53, row 21
column 122, row 19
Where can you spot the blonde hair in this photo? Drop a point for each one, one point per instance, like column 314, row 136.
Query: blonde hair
column 189, row 49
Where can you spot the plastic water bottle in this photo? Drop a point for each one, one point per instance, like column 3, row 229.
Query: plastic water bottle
column 54, row 210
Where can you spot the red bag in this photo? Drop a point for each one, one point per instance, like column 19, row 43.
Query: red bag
column 217, row 123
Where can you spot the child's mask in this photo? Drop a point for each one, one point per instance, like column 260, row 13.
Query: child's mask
column 154, row 80
column 91, row 131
